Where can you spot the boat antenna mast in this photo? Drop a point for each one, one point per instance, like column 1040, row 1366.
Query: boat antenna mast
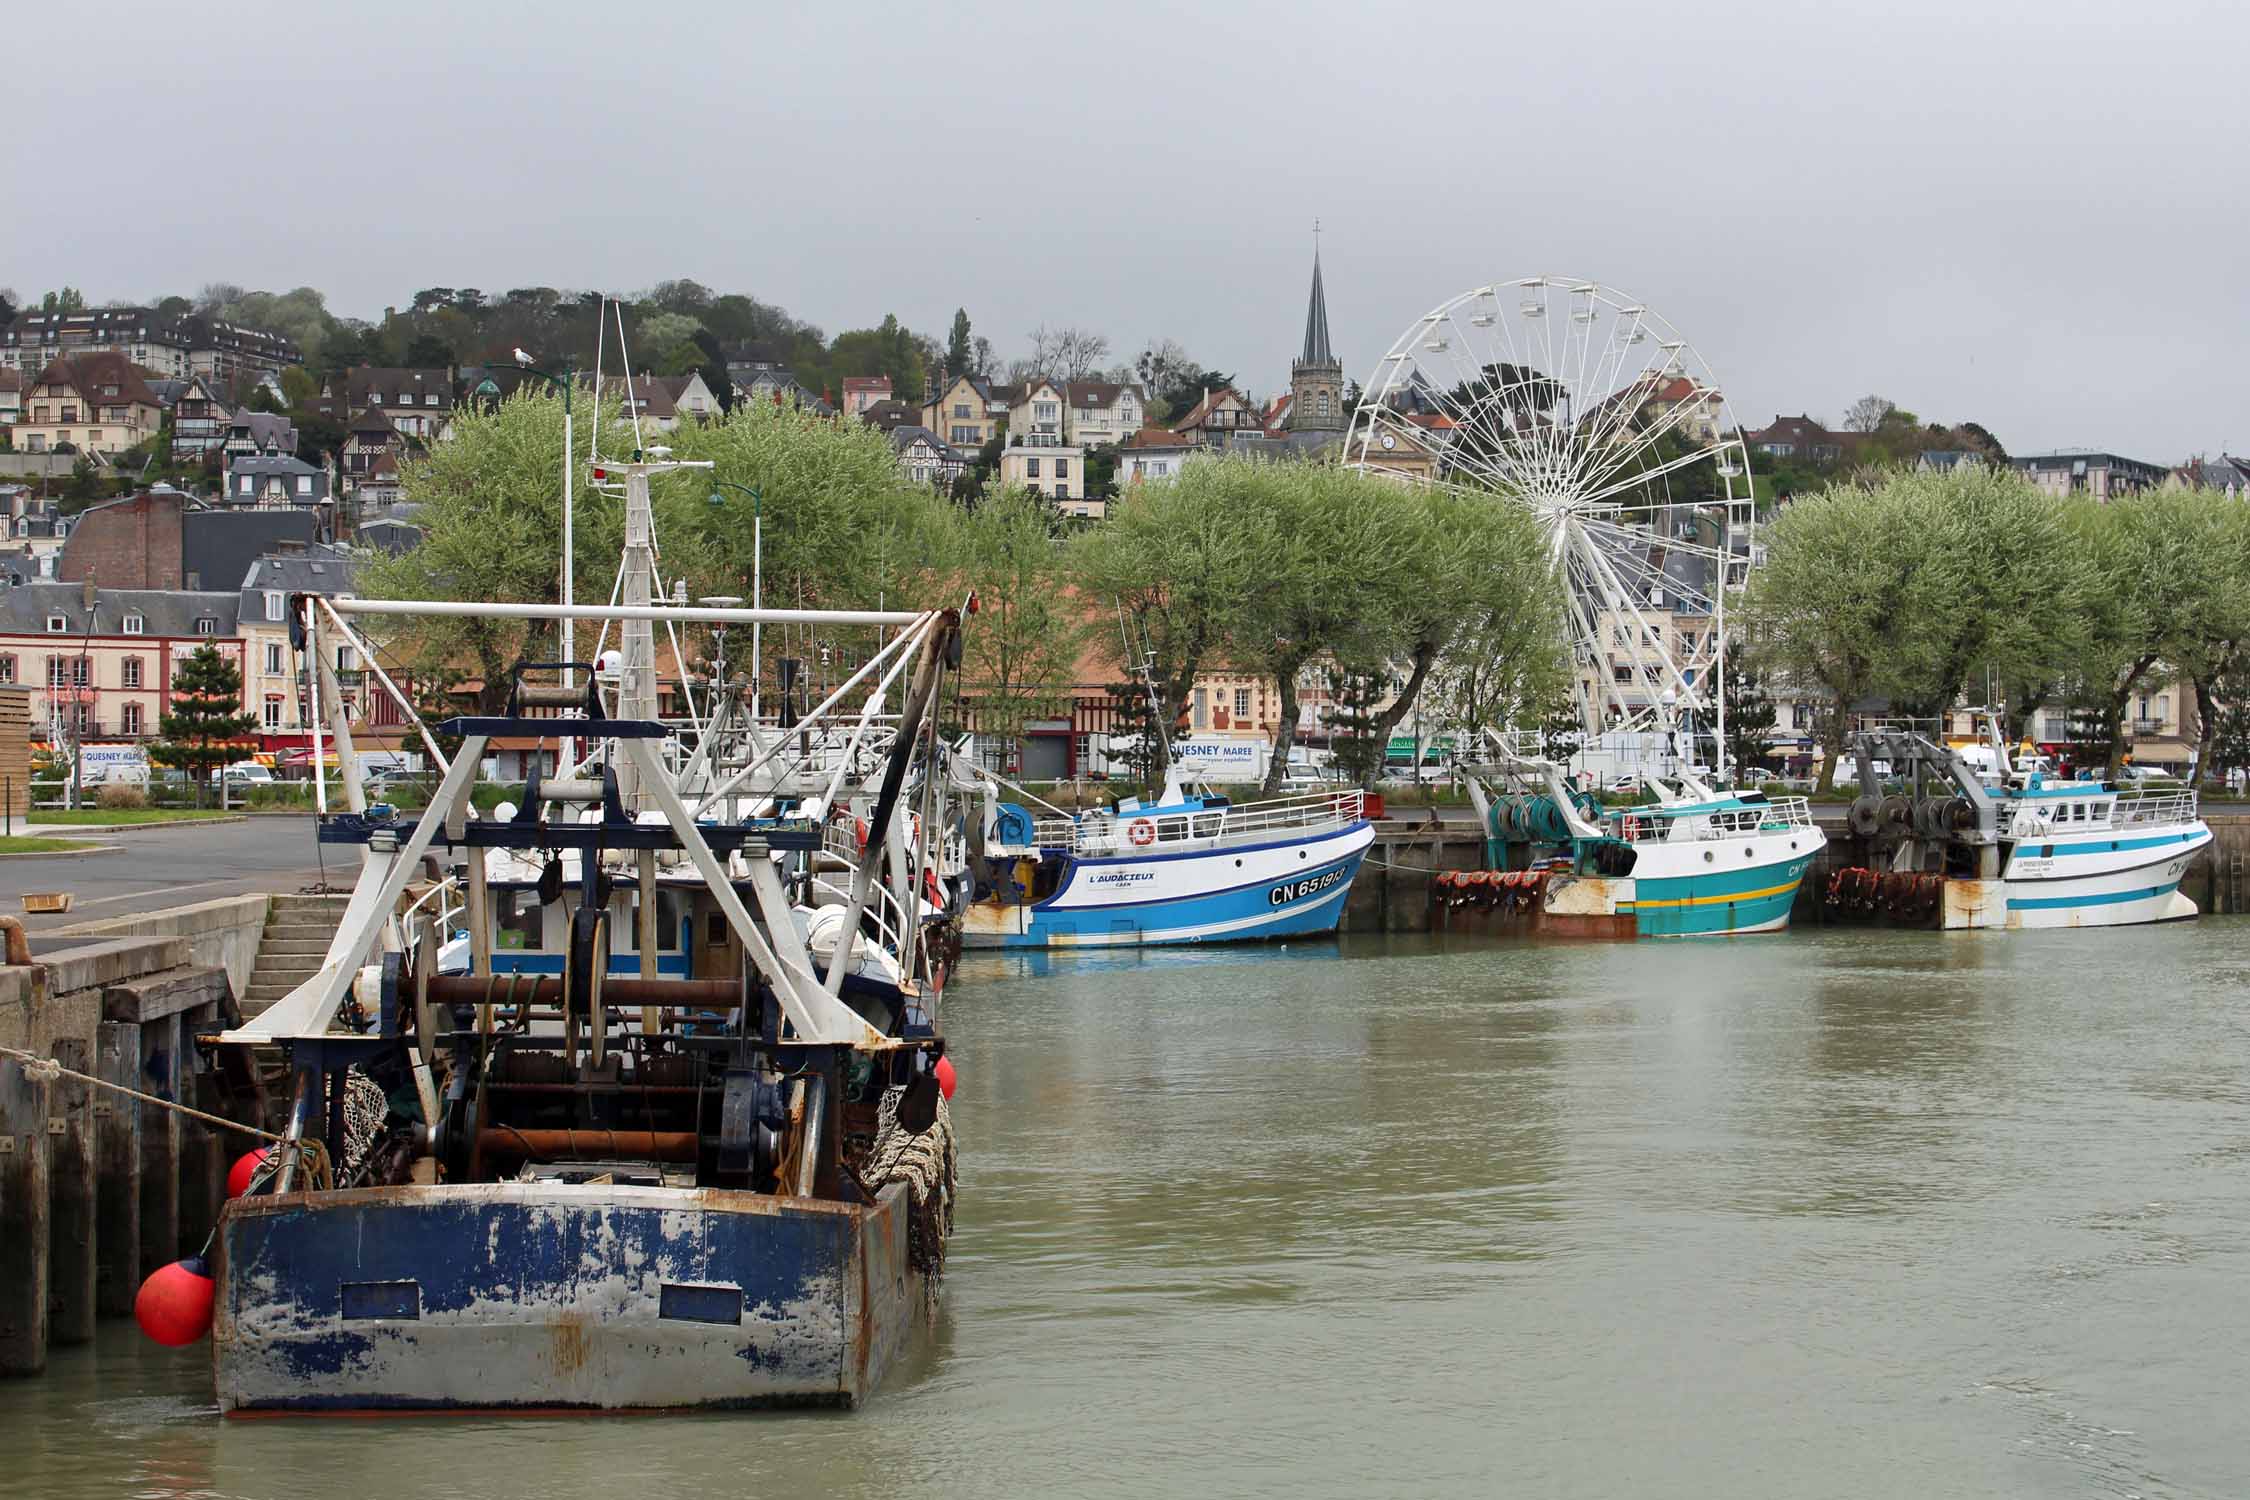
column 1140, row 664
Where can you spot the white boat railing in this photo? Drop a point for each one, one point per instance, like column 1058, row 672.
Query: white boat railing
column 2037, row 818
column 1656, row 824
column 1106, row 833
column 2145, row 808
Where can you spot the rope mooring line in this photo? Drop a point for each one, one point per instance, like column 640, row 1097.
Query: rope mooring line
column 35, row 1066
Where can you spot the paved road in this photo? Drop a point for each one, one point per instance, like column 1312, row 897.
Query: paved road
column 161, row 867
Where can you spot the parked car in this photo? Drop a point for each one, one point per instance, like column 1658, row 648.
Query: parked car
column 247, row 773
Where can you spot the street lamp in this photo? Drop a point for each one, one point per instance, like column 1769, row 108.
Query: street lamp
column 757, row 573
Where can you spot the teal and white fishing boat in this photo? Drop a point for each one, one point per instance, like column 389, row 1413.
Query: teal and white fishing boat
column 1697, row 862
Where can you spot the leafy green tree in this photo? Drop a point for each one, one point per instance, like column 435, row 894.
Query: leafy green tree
column 1482, row 610
column 1020, row 654
column 1337, row 548
column 491, row 510
column 2170, row 573
column 1180, row 563
column 1833, row 592
column 344, row 349
column 206, row 724
column 68, row 300
column 428, row 352
column 1999, row 589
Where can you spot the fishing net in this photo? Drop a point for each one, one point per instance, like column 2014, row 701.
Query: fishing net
column 925, row 1163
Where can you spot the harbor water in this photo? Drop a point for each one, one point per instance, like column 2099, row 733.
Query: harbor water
column 1833, row 1213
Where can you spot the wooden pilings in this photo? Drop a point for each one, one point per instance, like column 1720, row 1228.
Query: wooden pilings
column 70, row 1199
column 24, row 1106
column 97, row 1189
column 117, row 1173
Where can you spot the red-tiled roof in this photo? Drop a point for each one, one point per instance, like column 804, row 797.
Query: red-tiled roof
column 1156, row 437
column 88, row 374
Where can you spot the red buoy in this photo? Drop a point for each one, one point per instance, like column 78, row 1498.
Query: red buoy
column 174, row 1305
column 245, row 1167
column 945, row 1080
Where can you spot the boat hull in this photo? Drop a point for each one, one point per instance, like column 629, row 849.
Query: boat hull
column 1241, row 894
column 1755, row 898
column 2104, row 881
column 551, row 1295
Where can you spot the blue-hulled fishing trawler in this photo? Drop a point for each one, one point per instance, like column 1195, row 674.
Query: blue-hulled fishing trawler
column 630, row 1095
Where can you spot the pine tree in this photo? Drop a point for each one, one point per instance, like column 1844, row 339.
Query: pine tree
column 1562, row 733
column 1355, row 701
column 199, row 735
column 960, row 353
column 1750, row 719
column 1133, row 723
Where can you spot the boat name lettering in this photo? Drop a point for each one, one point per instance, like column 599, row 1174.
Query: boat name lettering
column 1294, row 890
column 1121, row 877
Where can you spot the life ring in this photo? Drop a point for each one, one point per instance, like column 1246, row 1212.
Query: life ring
column 859, row 832
column 1142, row 832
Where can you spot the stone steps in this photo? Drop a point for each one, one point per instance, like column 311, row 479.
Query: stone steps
column 278, row 946
column 297, row 934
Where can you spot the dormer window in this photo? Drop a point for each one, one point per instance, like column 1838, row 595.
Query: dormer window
column 275, row 609
column 135, row 624
column 58, row 624
column 206, row 625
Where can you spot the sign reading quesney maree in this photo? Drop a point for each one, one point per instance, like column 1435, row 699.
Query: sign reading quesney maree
column 1222, row 759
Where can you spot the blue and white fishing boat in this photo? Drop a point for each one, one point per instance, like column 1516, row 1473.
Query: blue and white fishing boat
column 1179, row 867
column 1981, row 844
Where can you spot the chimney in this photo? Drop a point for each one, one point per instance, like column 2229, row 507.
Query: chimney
column 86, row 592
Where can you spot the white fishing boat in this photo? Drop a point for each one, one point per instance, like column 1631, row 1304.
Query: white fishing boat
column 1978, row 843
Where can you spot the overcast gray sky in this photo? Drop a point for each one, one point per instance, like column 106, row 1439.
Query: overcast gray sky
column 2030, row 215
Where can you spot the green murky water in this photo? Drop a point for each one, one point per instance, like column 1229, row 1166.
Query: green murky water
column 1833, row 1214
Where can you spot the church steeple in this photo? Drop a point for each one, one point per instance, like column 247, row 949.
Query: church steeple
column 1316, row 378
column 1316, row 316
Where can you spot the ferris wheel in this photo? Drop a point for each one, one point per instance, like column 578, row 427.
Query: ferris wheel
column 1578, row 403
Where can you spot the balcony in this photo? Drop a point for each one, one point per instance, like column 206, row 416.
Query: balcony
column 2148, row 726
